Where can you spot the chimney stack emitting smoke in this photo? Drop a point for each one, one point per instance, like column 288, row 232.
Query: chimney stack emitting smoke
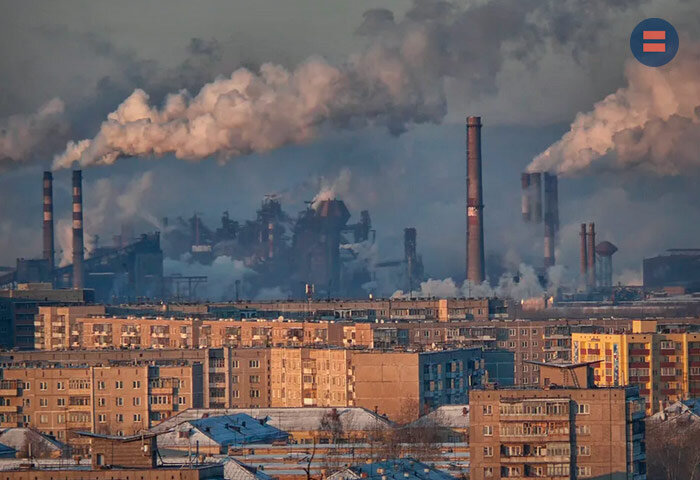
column 49, row 251
column 591, row 255
column 550, row 220
column 525, row 183
column 78, row 229
column 536, row 196
column 475, row 206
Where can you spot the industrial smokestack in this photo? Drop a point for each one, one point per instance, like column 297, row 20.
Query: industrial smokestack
column 49, row 251
column 584, row 254
column 554, row 179
column 536, row 196
column 525, row 183
column 78, row 229
column 591, row 255
column 549, row 221
column 409, row 247
column 475, row 206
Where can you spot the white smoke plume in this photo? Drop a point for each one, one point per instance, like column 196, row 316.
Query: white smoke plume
column 526, row 286
column 332, row 189
column 398, row 80
column 651, row 125
column 27, row 137
column 107, row 202
column 221, row 275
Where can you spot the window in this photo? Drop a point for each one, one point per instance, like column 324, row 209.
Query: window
column 60, row 418
column 254, row 364
column 584, row 408
column 234, row 364
column 42, row 386
column 583, row 429
column 235, row 394
column 584, row 450
column 181, row 400
column 43, row 419
column 488, row 430
column 137, row 383
column 101, row 402
column 61, row 402
column 583, row 471
column 488, row 451
column 60, row 386
column 101, row 385
column 102, row 418
column 255, row 394
column 119, row 384
column 119, row 417
column 43, row 402
column 488, row 471
column 488, row 409
column 27, row 386
column 523, row 344
column 255, row 379
column 137, row 417
column 136, row 401
column 120, row 401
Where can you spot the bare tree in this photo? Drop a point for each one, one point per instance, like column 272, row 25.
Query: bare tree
column 673, row 450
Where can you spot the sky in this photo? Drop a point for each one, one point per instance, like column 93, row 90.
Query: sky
column 530, row 69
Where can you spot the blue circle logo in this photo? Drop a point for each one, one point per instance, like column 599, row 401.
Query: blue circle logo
column 654, row 42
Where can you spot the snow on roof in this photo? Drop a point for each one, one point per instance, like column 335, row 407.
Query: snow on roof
column 18, row 438
column 287, row 419
column 398, row 469
column 237, row 429
column 450, row 416
column 686, row 409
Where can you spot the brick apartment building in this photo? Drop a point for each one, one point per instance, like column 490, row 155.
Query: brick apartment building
column 665, row 366
column 565, row 428
column 120, row 400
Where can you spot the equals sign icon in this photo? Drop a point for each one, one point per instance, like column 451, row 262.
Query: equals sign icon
column 654, row 46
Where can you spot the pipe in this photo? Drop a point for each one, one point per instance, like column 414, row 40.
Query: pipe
column 536, row 192
column 475, row 205
column 525, row 183
column 584, row 254
column 591, row 255
column 78, row 229
column 49, row 251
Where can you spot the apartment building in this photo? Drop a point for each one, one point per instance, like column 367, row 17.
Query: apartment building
column 665, row 366
column 56, row 328
column 120, row 400
column 564, row 428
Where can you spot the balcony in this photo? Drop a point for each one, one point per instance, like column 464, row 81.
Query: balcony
column 9, row 409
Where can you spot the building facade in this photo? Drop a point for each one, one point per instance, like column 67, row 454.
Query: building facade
column 558, row 432
column 665, row 366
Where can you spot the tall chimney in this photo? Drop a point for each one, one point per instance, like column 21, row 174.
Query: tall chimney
column 584, row 254
column 536, row 192
column 49, row 252
column 549, row 220
column 525, row 182
column 591, row 255
column 409, row 247
column 475, row 205
column 77, row 229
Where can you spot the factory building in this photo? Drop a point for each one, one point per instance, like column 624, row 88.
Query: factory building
column 677, row 271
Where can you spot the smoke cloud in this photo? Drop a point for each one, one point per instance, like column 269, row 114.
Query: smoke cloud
column 526, row 286
column 26, row 137
column 221, row 275
column 652, row 125
column 331, row 189
column 399, row 80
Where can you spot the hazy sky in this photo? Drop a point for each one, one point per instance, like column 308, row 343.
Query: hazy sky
column 93, row 54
